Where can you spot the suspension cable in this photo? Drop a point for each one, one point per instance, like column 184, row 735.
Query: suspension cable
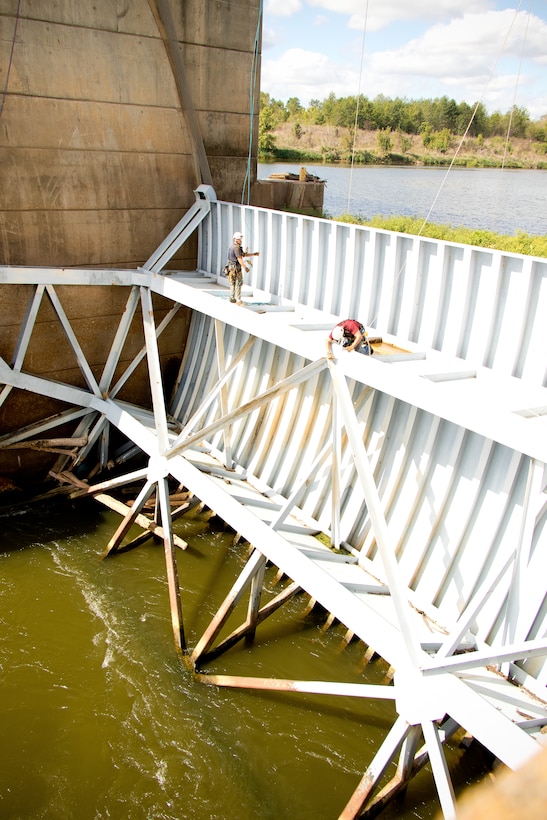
column 246, row 190
column 357, row 108
column 462, row 140
column 477, row 104
column 510, row 123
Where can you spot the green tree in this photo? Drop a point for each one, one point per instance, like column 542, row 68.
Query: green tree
column 497, row 126
column 538, row 130
column 427, row 135
column 520, row 121
column 294, row 108
column 266, row 124
column 448, row 115
column 276, row 108
column 463, row 117
column 442, row 140
column 315, row 112
column 405, row 142
column 346, row 110
column 384, row 141
column 382, row 113
column 415, row 114
column 480, row 121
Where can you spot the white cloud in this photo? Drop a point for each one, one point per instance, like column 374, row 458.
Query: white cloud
column 283, row 8
column 469, row 54
column 270, row 38
column 380, row 14
column 306, row 75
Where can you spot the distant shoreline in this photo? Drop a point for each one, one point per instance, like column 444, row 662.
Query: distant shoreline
column 327, row 145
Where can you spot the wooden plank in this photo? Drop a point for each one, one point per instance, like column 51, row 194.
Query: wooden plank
column 141, row 520
column 313, row 687
column 171, row 566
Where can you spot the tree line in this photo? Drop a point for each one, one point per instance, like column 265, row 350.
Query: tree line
column 400, row 115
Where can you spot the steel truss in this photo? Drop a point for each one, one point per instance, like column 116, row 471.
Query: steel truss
column 436, row 689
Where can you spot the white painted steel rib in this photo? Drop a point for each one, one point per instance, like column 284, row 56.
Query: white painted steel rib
column 154, row 369
column 247, row 407
column 518, row 591
column 439, row 767
column 219, row 388
column 531, row 339
column 480, row 411
column 182, row 230
column 119, row 340
column 73, row 341
column 27, row 326
column 223, row 374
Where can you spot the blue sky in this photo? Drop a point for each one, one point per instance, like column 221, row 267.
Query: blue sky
column 468, row 50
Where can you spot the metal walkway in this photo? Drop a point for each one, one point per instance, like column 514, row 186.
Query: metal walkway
column 258, row 407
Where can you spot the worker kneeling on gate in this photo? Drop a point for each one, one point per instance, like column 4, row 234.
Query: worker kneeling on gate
column 352, row 335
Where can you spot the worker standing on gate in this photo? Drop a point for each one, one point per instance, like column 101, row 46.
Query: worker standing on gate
column 236, row 266
column 352, row 335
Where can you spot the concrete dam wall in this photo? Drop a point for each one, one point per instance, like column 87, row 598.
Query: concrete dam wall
column 113, row 113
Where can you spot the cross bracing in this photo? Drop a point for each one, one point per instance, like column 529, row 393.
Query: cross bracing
column 426, row 470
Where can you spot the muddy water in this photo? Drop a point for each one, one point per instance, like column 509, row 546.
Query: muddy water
column 100, row 719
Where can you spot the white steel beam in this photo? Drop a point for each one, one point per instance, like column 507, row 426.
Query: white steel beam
column 395, row 583
column 336, row 467
column 219, row 387
column 253, row 565
column 119, row 340
column 437, row 759
column 154, row 370
column 73, row 341
column 222, row 378
column 27, row 326
column 264, row 398
column 130, row 517
column 46, row 424
column 371, row 778
column 518, row 588
column 490, row 655
column 182, row 230
column 130, row 369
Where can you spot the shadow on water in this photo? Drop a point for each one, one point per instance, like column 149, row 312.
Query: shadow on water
column 101, row 719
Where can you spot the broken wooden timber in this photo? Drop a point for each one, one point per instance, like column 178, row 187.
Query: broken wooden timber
column 150, row 527
column 140, row 519
column 62, row 446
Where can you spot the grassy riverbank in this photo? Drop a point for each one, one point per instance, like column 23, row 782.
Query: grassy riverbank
column 520, row 243
column 330, row 144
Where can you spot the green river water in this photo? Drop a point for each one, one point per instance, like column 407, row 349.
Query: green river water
column 101, row 719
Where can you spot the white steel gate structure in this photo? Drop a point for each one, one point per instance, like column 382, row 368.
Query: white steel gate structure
column 423, row 465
